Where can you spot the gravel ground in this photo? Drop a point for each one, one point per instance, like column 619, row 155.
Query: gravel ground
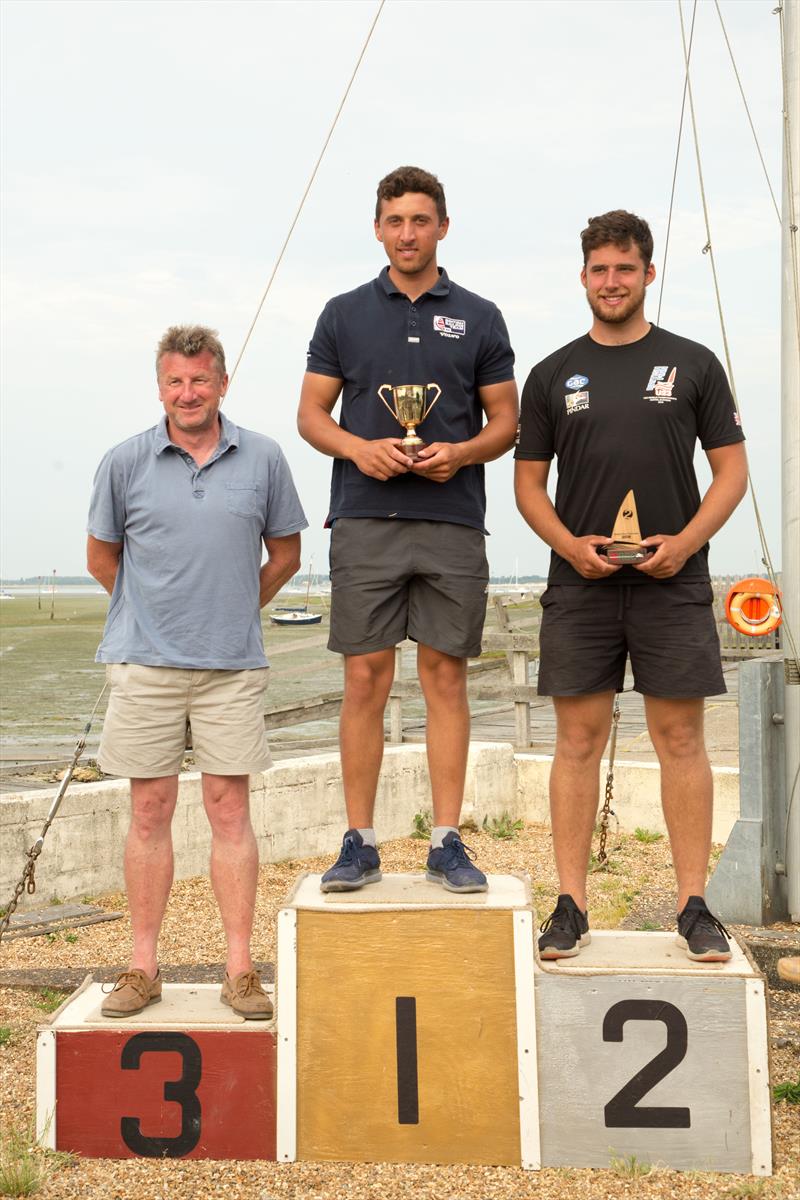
column 636, row 893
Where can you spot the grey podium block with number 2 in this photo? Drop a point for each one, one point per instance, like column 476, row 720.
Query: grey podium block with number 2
column 667, row 1062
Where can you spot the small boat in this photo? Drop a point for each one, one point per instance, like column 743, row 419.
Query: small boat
column 297, row 614
column 7, row 596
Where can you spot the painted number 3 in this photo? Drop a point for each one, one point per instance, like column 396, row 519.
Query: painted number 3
column 181, row 1091
column 622, row 1110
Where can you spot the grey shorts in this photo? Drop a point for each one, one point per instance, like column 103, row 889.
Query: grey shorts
column 144, row 731
column 392, row 579
column 668, row 629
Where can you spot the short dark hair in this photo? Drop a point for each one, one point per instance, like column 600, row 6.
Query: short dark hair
column 619, row 228
column 190, row 340
column 411, row 179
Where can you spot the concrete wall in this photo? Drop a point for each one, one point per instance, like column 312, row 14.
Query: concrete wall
column 637, row 794
column 298, row 812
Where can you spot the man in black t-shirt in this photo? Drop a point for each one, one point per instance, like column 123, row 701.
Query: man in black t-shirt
column 622, row 409
column 407, row 551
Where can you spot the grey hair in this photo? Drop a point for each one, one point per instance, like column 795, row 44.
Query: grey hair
column 190, row 340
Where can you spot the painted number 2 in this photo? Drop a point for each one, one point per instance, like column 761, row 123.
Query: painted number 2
column 622, row 1111
column 181, row 1091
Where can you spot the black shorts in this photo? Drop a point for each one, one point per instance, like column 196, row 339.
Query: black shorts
column 668, row 629
column 393, row 579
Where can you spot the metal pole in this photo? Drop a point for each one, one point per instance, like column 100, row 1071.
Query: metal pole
column 790, row 430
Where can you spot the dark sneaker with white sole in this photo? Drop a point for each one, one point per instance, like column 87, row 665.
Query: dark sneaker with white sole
column 451, row 866
column 564, row 931
column 702, row 936
column 356, row 865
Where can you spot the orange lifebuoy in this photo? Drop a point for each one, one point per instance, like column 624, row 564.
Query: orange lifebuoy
column 753, row 607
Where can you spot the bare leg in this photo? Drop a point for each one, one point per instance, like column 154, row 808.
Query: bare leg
column 676, row 727
column 444, row 685
column 367, row 680
column 582, row 728
column 149, row 864
column 234, row 862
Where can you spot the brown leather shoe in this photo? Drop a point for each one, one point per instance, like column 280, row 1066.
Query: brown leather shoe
column 246, row 996
column 132, row 992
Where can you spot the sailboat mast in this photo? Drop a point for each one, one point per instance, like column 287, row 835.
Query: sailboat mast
column 790, row 430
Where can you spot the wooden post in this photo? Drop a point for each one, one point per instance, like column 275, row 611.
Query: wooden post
column 522, row 710
column 396, row 702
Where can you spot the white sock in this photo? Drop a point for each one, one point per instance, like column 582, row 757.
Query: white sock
column 439, row 833
column 367, row 836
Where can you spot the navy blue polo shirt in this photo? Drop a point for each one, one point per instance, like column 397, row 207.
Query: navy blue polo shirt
column 448, row 336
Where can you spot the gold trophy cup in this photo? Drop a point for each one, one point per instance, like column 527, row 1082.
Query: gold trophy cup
column 626, row 546
column 410, row 407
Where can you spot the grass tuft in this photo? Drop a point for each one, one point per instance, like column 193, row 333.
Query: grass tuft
column 422, row 826
column 789, row 1091
column 25, row 1164
column 48, row 999
column 503, row 828
column 630, row 1167
column 5, row 1035
column 647, row 835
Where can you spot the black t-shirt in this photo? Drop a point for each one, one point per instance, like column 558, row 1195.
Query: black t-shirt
column 375, row 335
column 622, row 417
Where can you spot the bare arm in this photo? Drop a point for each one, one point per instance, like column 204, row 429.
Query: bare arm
column 530, row 488
column 728, row 485
column 380, row 458
column 500, row 402
column 102, row 561
column 283, row 560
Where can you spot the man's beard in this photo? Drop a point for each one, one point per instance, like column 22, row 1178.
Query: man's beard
column 617, row 316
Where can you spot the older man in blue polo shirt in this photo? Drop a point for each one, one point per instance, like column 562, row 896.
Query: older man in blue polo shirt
column 177, row 520
column 407, row 552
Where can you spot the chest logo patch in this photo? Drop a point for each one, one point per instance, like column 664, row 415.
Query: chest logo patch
column 575, row 382
column 660, row 385
column 450, row 327
column 576, row 402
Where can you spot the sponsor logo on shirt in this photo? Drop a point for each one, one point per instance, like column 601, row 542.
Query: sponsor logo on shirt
column 450, row 327
column 737, row 420
column 660, row 385
column 576, row 402
column 575, row 382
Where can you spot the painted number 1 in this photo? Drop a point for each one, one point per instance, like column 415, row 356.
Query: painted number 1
column 622, row 1110
column 407, row 1079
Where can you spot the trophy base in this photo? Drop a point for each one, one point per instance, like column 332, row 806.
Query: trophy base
column 411, row 447
column 620, row 553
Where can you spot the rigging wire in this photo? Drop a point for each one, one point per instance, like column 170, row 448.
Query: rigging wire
column 675, row 168
column 787, row 149
column 709, row 250
column 747, row 110
column 312, row 177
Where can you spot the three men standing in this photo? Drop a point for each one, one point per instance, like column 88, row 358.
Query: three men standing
column 176, row 525
column 407, row 550
column 622, row 408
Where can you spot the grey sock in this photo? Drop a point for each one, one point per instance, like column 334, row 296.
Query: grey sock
column 367, row 836
column 439, row 833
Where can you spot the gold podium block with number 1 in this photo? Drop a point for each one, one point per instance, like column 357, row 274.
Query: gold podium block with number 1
column 406, row 1024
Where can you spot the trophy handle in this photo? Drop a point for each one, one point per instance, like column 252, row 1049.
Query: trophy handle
column 428, row 407
column 391, row 409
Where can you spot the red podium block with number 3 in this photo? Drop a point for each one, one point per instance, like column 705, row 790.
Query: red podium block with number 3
column 173, row 1087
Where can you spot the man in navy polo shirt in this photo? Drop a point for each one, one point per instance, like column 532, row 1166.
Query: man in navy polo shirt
column 179, row 517
column 407, row 552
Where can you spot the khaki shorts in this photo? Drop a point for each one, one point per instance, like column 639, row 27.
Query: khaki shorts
column 144, row 732
column 393, row 579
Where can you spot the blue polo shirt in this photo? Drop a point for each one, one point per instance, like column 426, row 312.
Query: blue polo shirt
column 448, row 336
column 187, row 586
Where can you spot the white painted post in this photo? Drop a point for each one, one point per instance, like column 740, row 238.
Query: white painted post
column 396, row 702
column 522, row 708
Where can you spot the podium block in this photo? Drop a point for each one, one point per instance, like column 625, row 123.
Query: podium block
column 186, row 1078
column 407, row 1024
column 643, row 1052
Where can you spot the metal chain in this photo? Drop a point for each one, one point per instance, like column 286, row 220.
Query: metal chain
column 602, row 857
column 27, row 881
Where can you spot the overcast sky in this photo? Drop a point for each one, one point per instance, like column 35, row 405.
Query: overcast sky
column 154, row 153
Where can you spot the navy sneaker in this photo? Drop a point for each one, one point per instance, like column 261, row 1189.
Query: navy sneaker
column 356, row 865
column 703, row 937
column 564, row 931
column 452, row 867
